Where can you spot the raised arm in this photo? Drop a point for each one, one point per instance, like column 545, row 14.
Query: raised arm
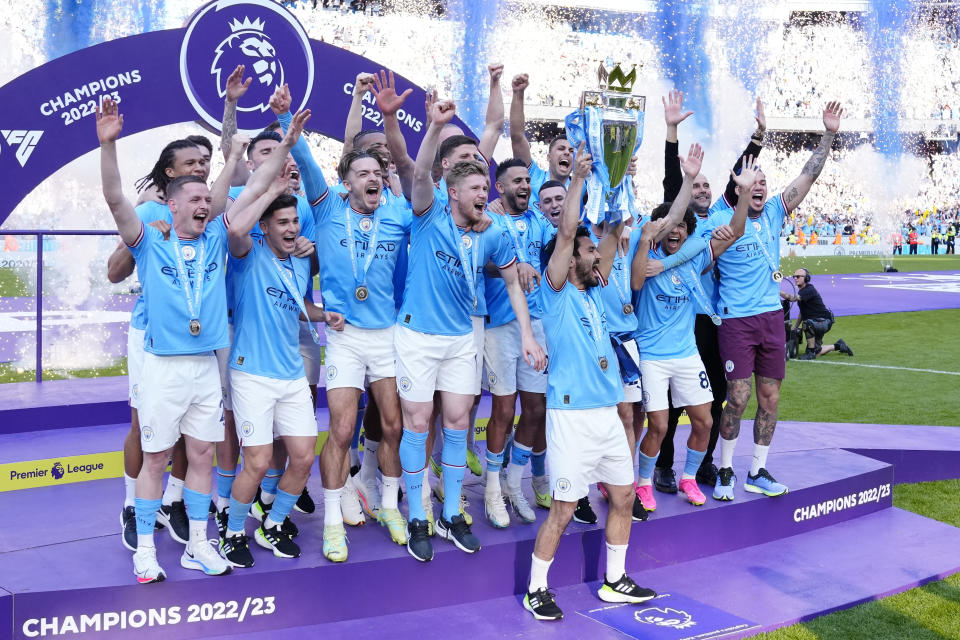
column 690, row 167
column 518, row 139
column 109, row 125
column 559, row 264
column 221, row 187
column 754, row 147
column 361, row 86
column 314, row 184
column 532, row 351
column 120, row 264
column 794, row 194
column 609, row 244
column 265, row 174
column 745, row 179
column 389, row 102
column 673, row 114
column 441, row 112
column 235, row 88
column 493, row 123
column 638, row 268
column 245, row 218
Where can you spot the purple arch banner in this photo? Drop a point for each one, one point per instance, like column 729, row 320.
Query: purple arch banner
column 178, row 75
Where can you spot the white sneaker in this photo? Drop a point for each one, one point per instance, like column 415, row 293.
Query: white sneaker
column 523, row 509
column 369, row 495
column 496, row 510
column 350, row 506
column 145, row 566
column 204, row 557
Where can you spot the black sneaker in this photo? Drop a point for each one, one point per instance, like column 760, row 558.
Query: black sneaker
column 221, row 518
column 277, row 540
column 458, row 531
column 584, row 512
column 842, row 347
column 418, row 540
column 174, row 518
column 639, row 513
column 305, row 503
column 542, row 605
column 624, row 590
column 664, row 480
column 259, row 512
column 707, row 474
column 236, row 551
column 809, row 354
column 128, row 524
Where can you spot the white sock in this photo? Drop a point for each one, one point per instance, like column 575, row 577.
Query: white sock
column 759, row 458
column 331, row 507
column 231, row 532
column 173, row 492
column 270, row 523
column 726, row 452
column 388, row 495
column 644, row 482
column 368, row 468
column 222, row 503
column 198, row 532
column 493, row 482
column 616, row 561
column 267, row 498
column 538, row 573
column 129, row 490
column 145, row 540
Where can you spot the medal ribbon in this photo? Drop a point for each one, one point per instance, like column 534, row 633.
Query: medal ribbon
column 293, row 292
column 360, row 278
column 469, row 272
column 517, row 238
column 621, row 292
column 696, row 291
column 763, row 247
column 596, row 323
column 193, row 304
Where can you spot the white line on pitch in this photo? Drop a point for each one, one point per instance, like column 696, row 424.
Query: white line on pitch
column 881, row 366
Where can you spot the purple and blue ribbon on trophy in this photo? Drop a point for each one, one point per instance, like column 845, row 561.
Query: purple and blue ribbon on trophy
column 610, row 122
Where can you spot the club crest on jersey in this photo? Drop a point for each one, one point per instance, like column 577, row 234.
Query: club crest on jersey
column 259, row 34
column 189, row 253
column 521, row 226
column 405, row 384
column 246, row 429
column 675, row 279
column 757, row 226
column 366, row 223
column 467, row 241
column 563, row 485
column 146, row 433
column 331, row 372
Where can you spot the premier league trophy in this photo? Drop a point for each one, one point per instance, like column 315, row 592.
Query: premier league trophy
column 610, row 121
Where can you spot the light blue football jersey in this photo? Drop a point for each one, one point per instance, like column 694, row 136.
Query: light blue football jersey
column 165, row 292
column 528, row 234
column 441, row 294
column 148, row 212
column 266, row 317
column 578, row 341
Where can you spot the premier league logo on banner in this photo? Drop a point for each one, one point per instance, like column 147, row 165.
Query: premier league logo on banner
column 258, row 34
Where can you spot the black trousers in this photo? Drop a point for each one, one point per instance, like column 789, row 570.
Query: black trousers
column 913, row 249
column 709, row 347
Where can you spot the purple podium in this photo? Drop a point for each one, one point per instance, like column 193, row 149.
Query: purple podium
column 723, row 569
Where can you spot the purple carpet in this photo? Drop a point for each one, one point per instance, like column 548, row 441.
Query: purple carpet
column 865, row 293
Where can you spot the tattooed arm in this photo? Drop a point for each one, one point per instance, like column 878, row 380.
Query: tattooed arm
column 794, row 194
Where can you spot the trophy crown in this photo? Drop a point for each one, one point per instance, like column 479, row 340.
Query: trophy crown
column 616, row 79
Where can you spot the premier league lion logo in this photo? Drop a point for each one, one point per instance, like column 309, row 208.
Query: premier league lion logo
column 666, row 617
column 57, row 471
column 262, row 36
column 249, row 45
